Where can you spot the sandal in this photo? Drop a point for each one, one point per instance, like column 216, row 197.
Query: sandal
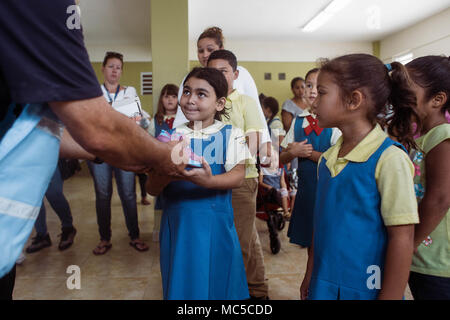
column 101, row 249
column 139, row 245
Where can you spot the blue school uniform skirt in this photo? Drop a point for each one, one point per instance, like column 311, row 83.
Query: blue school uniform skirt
column 301, row 222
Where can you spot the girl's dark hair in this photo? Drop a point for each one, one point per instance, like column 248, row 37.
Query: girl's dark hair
column 168, row 89
column 295, row 80
column 261, row 98
column 272, row 104
column 213, row 33
column 310, row 72
column 384, row 90
column 111, row 55
column 433, row 74
column 217, row 80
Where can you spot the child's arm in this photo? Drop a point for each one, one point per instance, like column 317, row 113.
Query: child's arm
column 262, row 184
column 283, row 181
column 436, row 201
column 398, row 261
column 394, row 176
column 204, row 177
column 315, row 156
column 296, row 150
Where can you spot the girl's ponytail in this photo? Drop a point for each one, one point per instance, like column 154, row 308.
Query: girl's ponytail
column 403, row 101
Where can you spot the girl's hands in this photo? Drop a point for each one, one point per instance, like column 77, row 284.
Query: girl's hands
column 201, row 176
column 300, row 149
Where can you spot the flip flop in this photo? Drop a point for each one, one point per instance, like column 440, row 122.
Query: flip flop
column 101, row 247
column 136, row 243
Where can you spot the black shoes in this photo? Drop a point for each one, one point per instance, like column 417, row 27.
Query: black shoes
column 67, row 236
column 39, row 242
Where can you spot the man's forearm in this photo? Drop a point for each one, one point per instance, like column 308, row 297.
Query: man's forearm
column 70, row 149
column 102, row 131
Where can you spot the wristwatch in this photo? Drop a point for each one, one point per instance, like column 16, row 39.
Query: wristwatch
column 97, row 160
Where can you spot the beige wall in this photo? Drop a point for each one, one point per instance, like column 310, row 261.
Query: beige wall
column 169, row 42
column 279, row 89
column 429, row 37
column 287, row 51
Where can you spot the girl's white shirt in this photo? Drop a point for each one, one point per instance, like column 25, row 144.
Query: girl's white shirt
column 237, row 150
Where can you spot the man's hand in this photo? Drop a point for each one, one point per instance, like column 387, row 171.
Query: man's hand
column 174, row 158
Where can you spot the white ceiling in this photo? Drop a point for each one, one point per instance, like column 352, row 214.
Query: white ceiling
column 283, row 19
column 107, row 22
column 121, row 22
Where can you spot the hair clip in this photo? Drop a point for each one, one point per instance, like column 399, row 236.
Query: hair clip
column 389, row 67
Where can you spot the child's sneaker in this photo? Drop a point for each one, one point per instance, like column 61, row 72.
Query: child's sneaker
column 39, row 242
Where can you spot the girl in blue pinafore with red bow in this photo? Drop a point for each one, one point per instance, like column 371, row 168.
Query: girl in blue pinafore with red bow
column 306, row 141
column 163, row 120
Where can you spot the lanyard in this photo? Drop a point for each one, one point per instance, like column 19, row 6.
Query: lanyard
column 115, row 96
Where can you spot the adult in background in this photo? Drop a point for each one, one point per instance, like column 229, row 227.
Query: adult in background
column 60, row 205
column 291, row 108
column 103, row 173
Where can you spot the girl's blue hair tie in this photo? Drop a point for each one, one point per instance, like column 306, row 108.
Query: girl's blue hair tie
column 389, row 67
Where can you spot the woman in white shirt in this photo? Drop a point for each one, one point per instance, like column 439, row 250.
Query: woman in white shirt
column 103, row 172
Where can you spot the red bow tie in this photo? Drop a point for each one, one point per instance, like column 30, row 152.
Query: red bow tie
column 169, row 122
column 313, row 125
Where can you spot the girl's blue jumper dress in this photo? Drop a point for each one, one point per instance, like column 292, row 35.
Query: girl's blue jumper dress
column 200, row 254
column 301, row 223
column 350, row 238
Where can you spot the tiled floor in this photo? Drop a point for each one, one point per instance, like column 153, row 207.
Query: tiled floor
column 124, row 273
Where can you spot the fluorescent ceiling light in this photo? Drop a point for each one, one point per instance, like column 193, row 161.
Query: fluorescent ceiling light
column 323, row 16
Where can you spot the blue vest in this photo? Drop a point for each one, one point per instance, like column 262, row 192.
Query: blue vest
column 29, row 151
column 308, row 168
column 160, row 127
column 189, row 194
column 350, row 238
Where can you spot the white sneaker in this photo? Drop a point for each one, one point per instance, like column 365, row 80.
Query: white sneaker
column 20, row 259
column 155, row 236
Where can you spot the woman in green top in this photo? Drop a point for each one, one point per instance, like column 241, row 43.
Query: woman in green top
column 430, row 270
